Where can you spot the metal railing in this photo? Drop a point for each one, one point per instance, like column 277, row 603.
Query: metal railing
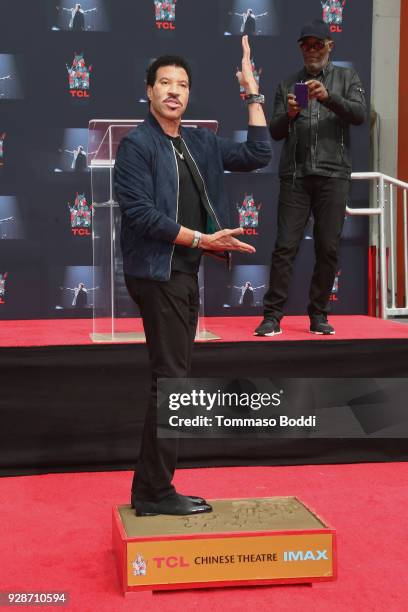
column 386, row 189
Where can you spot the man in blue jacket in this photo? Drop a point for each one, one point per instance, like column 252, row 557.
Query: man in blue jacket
column 169, row 185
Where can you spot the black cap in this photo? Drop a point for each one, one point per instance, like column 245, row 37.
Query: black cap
column 316, row 28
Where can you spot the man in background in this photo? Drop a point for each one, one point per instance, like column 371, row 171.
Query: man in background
column 315, row 171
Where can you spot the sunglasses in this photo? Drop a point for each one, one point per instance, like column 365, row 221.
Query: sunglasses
column 319, row 45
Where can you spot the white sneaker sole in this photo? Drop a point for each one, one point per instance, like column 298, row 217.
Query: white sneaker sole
column 322, row 333
column 268, row 335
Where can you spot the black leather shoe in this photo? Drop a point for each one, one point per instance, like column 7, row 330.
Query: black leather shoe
column 173, row 504
column 193, row 498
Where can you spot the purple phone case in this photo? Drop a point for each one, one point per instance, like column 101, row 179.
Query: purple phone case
column 302, row 94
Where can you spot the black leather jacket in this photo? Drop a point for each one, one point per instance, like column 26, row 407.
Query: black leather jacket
column 317, row 141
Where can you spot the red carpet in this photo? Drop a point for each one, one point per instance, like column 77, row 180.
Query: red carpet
column 56, row 530
column 51, row 332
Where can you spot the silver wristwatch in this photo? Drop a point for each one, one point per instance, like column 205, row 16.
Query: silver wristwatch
column 196, row 240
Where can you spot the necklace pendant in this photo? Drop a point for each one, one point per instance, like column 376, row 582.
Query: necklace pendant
column 179, row 153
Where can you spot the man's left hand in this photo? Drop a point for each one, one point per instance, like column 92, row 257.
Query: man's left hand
column 317, row 90
column 245, row 76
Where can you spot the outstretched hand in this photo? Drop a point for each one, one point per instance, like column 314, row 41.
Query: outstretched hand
column 245, row 76
column 225, row 240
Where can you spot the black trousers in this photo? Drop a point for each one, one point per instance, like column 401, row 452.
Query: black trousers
column 170, row 312
column 325, row 198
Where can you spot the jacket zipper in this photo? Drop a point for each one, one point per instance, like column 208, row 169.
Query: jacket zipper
column 294, row 154
column 314, row 160
column 324, row 81
column 292, row 127
column 177, row 205
column 205, row 189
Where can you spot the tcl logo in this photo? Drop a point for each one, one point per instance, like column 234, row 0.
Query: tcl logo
column 170, row 562
column 165, row 25
column 79, row 93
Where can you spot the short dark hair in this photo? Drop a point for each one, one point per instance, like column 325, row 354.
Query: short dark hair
column 166, row 60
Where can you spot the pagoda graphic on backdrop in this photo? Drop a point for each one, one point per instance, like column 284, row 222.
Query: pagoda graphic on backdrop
column 79, row 77
column 165, row 14
column 3, row 277
column 2, row 139
column 80, row 216
column 249, row 214
column 333, row 13
column 257, row 76
column 334, row 296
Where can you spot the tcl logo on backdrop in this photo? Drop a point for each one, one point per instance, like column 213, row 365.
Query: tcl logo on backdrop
column 333, row 14
column 249, row 215
column 257, row 76
column 80, row 216
column 3, row 277
column 2, row 139
column 79, row 77
column 165, row 14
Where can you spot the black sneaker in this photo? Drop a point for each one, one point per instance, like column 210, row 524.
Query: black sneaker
column 319, row 325
column 268, row 327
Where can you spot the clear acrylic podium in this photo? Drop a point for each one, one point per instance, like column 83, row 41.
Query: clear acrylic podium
column 115, row 316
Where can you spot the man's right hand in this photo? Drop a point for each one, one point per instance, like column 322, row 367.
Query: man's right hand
column 224, row 240
column 293, row 108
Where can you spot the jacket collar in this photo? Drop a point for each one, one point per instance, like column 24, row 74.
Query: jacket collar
column 152, row 121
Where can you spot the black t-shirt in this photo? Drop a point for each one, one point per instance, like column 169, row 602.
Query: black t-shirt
column 191, row 213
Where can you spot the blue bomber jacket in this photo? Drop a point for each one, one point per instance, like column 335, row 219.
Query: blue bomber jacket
column 146, row 185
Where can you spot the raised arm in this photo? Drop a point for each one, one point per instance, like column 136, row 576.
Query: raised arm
column 256, row 151
column 247, row 80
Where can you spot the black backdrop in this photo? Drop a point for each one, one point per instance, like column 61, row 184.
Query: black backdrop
column 41, row 121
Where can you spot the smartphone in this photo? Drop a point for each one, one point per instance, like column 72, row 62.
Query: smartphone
column 302, row 94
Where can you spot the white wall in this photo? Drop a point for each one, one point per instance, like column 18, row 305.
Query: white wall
column 384, row 84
